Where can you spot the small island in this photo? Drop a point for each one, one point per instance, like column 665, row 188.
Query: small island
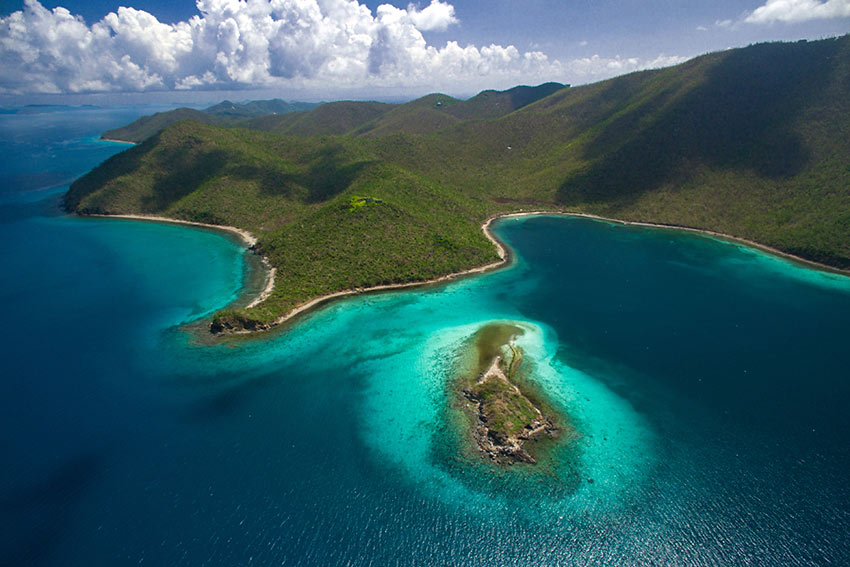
column 502, row 415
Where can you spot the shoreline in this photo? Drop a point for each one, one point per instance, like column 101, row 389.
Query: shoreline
column 314, row 303
column 712, row 233
column 504, row 254
column 502, row 251
column 505, row 259
column 117, row 141
column 247, row 238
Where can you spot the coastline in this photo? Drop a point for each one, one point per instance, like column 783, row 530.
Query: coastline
column 502, row 251
column 117, row 141
column 314, row 303
column 247, row 238
column 505, row 259
column 712, row 233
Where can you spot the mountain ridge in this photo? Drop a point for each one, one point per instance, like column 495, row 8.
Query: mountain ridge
column 752, row 143
column 223, row 114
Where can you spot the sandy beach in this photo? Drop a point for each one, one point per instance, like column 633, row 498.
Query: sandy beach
column 713, row 234
column 504, row 258
column 245, row 236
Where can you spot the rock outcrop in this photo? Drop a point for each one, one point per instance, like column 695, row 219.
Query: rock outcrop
column 506, row 418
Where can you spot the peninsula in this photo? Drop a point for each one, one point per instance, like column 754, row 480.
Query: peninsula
column 353, row 196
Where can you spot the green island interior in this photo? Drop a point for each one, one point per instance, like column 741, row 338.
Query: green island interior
column 500, row 412
column 750, row 142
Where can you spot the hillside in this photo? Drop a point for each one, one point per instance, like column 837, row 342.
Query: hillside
column 234, row 111
column 752, row 142
column 329, row 215
column 224, row 113
column 148, row 126
column 494, row 104
column 330, row 118
column 431, row 113
column 425, row 115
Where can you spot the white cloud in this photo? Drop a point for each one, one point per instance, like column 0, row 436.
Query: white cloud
column 664, row 61
column 588, row 69
column 795, row 11
column 299, row 44
column 438, row 16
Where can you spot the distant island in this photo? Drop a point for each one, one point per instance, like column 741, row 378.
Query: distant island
column 352, row 196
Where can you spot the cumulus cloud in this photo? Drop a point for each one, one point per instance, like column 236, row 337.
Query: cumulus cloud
column 588, row 69
column 233, row 44
column 438, row 16
column 795, row 11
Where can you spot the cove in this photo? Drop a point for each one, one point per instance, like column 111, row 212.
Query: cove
column 661, row 345
column 706, row 379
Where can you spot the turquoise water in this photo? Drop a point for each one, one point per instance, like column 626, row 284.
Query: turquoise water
column 708, row 382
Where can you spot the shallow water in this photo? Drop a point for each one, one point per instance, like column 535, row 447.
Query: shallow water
column 708, row 381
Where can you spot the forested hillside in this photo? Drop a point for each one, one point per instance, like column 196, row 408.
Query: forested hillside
column 751, row 142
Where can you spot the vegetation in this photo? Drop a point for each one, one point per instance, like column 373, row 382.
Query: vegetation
column 223, row 114
column 751, row 142
column 334, row 118
column 503, row 418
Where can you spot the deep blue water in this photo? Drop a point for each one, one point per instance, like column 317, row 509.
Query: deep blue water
column 709, row 382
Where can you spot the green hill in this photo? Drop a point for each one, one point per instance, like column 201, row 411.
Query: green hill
column 422, row 116
column 493, row 104
column 225, row 113
column 431, row 113
column 751, row 142
column 330, row 118
column 425, row 115
column 148, row 126
column 234, row 111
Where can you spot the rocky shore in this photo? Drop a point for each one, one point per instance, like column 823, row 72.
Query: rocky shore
column 505, row 419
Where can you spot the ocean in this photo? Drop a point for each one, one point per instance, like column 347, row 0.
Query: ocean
column 707, row 381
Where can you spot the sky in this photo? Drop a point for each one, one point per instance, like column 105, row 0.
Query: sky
column 104, row 50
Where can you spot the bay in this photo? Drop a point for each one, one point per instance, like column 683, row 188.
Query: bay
column 707, row 379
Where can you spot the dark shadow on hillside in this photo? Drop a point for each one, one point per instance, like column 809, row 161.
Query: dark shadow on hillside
column 186, row 170
column 116, row 166
column 622, row 129
column 329, row 172
column 740, row 117
column 271, row 180
column 523, row 95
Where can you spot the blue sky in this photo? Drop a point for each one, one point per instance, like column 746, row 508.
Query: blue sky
column 321, row 49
